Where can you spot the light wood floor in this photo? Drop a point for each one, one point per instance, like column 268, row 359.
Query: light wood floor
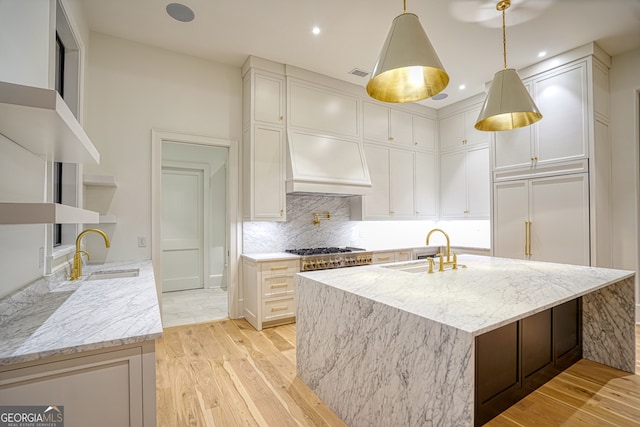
column 225, row 373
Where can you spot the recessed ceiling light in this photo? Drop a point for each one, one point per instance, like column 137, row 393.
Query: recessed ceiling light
column 439, row 96
column 542, row 54
column 180, row 12
column 315, row 30
column 462, row 87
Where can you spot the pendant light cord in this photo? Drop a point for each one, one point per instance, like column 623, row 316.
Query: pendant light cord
column 504, row 39
column 405, row 6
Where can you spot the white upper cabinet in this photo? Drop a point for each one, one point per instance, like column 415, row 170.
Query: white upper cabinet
column 398, row 127
column 424, row 133
column 268, row 99
column 562, row 134
column 376, row 122
column 376, row 203
column 458, row 130
column 401, row 178
column 401, row 128
column 426, row 185
column 465, row 181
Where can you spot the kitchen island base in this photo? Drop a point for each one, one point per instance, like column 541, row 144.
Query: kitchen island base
column 377, row 360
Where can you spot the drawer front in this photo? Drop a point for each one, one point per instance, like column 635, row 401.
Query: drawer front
column 382, row 257
column 274, row 309
column 271, row 268
column 276, row 286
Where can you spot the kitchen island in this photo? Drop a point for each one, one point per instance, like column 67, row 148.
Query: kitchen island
column 382, row 345
column 87, row 345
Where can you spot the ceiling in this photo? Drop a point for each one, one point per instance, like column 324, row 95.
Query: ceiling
column 465, row 33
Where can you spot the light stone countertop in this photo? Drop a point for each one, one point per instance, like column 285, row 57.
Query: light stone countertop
column 270, row 256
column 71, row 317
column 489, row 293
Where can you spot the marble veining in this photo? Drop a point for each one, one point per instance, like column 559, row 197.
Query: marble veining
column 299, row 231
column 391, row 374
column 490, row 293
column 81, row 315
column 385, row 347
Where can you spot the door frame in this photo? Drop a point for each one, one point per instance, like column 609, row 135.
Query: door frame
column 205, row 212
column 234, row 220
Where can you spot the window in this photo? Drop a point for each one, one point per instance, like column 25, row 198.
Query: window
column 60, row 53
column 57, row 198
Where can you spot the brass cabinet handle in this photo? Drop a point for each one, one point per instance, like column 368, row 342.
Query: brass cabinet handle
column 282, row 308
column 527, row 238
column 530, row 253
column 404, row 253
column 534, row 159
column 466, row 212
column 464, row 141
column 281, row 212
column 279, row 285
column 384, row 258
column 391, row 138
column 416, row 143
column 281, row 117
column 279, row 267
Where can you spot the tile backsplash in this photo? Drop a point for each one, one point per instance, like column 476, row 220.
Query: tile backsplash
column 300, row 232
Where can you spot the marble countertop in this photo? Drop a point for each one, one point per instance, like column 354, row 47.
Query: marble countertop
column 82, row 315
column 271, row 256
column 488, row 293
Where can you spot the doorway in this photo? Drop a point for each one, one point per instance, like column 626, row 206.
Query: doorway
column 194, row 227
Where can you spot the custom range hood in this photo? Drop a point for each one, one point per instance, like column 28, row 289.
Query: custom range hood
column 326, row 165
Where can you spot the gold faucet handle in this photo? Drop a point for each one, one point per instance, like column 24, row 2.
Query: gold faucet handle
column 441, row 264
column 455, row 261
column 430, row 265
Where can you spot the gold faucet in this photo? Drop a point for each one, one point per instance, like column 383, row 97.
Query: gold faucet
column 448, row 243
column 76, row 270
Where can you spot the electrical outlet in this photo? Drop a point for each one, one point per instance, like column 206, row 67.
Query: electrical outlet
column 142, row 242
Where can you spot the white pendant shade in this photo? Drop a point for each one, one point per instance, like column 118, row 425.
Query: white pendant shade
column 408, row 68
column 508, row 104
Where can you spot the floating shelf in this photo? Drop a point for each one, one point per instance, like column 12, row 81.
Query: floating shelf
column 39, row 120
column 45, row 213
column 99, row 181
column 106, row 219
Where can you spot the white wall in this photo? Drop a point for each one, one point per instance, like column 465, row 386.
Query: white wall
column 625, row 121
column 131, row 89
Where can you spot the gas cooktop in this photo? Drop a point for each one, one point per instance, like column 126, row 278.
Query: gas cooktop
column 324, row 258
column 322, row 251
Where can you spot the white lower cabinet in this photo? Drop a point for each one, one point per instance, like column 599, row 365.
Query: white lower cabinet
column 404, row 255
column 543, row 219
column 465, row 183
column 269, row 289
column 101, row 388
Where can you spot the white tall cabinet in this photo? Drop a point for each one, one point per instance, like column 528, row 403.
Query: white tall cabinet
column 263, row 141
column 551, row 180
column 401, row 152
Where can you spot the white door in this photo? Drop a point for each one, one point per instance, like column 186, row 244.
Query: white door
column 182, row 228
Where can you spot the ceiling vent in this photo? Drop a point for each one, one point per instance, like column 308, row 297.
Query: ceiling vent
column 358, row 72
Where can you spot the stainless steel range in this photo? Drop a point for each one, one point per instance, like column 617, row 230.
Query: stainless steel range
column 325, row 258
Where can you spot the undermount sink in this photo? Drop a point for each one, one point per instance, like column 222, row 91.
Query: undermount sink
column 113, row 274
column 412, row 267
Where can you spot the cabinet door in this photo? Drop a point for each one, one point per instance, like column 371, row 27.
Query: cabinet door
column 453, row 184
column 268, row 179
column 401, row 129
column 376, row 203
column 375, row 122
column 268, row 99
column 478, row 182
column 562, row 100
column 451, row 132
column 424, row 133
column 559, row 215
column 510, row 211
column 426, row 185
column 472, row 136
column 404, row 255
column 514, row 148
column 401, row 183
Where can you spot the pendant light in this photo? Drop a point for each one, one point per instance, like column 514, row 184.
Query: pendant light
column 408, row 68
column 508, row 104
